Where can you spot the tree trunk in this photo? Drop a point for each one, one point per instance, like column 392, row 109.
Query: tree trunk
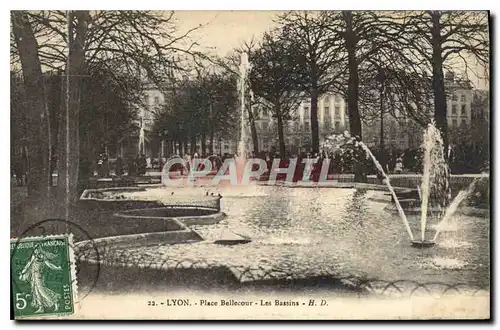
column 443, row 194
column 314, row 116
column 203, row 144
column 352, row 94
column 193, row 145
column 253, row 129
column 168, row 149
column 440, row 109
column 38, row 119
column 211, row 132
column 211, row 150
column 54, row 87
column 382, row 141
column 281, row 136
column 69, row 154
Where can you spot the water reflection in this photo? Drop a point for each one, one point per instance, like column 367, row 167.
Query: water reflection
column 325, row 230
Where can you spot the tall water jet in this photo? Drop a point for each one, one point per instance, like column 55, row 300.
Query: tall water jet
column 435, row 175
column 141, row 135
column 241, row 156
column 244, row 67
column 402, row 214
column 428, row 144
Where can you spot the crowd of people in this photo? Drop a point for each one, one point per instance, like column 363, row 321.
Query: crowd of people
column 342, row 161
column 131, row 166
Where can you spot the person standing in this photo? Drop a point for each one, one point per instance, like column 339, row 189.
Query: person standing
column 141, row 164
column 131, row 166
column 103, row 166
column 19, row 172
column 383, row 159
column 398, row 167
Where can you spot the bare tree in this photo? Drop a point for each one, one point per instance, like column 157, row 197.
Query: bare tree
column 361, row 36
column 202, row 106
column 446, row 40
column 231, row 64
column 388, row 90
column 123, row 42
column 69, row 147
column 38, row 129
column 142, row 42
column 274, row 78
column 319, row 54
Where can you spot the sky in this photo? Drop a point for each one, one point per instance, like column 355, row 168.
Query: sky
column 225, row 30
column 222, row 31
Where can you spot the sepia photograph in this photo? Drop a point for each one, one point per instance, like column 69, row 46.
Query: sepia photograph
column 250, row 165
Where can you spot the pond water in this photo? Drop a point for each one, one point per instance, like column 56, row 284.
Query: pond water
column 301, row 232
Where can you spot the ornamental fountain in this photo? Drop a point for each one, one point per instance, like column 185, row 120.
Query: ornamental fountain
column 241, row 156
column 435, row 186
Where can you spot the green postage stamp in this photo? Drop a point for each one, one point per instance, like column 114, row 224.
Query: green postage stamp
column 43, row 276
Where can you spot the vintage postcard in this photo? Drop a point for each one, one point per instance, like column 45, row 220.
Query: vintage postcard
column 250, row 165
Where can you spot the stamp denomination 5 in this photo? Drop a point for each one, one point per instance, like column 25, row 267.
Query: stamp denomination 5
column 43, row 276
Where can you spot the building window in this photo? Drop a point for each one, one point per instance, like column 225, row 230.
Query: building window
column 454, row 97
column 297, row 126
column 337, row 111
column 462, row 98
column 264, row 112
column 306, row 112
column 463, row 110
column 327, row 111
column 307, row 126
column 454, row 109
column 226, row 146
column 454, row 122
